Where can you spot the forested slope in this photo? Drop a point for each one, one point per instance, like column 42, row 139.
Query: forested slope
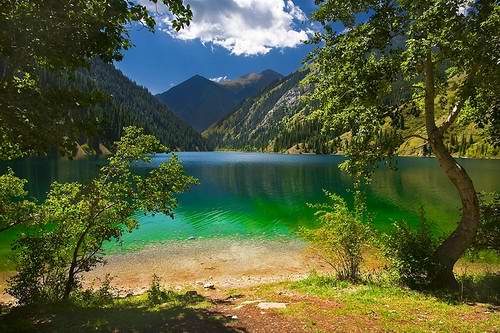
column 130, row 104
column 277, row 120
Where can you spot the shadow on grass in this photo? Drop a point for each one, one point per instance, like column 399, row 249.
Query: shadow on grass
column 474, row 289
column 121, row 316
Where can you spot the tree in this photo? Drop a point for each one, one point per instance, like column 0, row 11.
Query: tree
column 71, row 226
column 15, row 207
column 395, row 59
column 38, row 37
column 341, row 236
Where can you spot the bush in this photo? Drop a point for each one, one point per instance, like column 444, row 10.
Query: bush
column 156, row 294
column 488, row 233
column 340, row 237
column 411, row 252
column 103, row 296
column 69, row 229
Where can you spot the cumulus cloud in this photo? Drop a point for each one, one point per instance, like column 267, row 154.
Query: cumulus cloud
column 219, row 79
column 244, row 27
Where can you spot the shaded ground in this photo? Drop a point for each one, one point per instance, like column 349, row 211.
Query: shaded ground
column 315, row 304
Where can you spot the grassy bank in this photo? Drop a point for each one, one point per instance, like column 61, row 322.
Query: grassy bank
column 315, row 304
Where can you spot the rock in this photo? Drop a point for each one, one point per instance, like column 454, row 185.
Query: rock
column 234, row 317
column 242, row 304
column 209, row 285
column 191, row 238
column 271, row 305
column 192, row 293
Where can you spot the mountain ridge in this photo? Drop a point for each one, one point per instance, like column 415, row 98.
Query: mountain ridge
column 202, row 102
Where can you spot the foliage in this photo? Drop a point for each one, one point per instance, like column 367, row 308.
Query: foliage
column 59, row 37
column 105, row 295
column 395, row 60
column 15, row 207
column 488, row 234
column 340, row 237
column 411, row 252
column 370, row 76
column 156, row 294
column 76, row 219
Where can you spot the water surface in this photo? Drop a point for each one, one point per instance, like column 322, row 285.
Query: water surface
column 253, row 195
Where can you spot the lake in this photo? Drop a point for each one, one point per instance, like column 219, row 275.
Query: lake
column 255, row 195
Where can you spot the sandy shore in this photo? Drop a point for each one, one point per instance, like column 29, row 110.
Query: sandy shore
column 227, row 263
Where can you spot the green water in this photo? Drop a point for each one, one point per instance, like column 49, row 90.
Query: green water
column 252, row 195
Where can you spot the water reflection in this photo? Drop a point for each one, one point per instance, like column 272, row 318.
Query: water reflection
column 264, row 195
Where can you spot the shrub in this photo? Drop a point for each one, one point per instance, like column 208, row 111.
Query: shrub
column 340, row 237
column 156, row 294
column 70, row 227
column 411, row 252
column 488, row 233
column 104, row 295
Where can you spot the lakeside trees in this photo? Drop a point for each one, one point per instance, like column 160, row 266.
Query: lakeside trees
column 395, row 59
column 67, row 233
column 42, row 45
column 59, row 36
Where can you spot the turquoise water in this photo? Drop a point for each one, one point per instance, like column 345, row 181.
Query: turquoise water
column 253, row 195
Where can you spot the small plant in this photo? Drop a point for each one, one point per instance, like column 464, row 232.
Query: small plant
column 411, row 252
column 488, row 233
column 106, row 293
column 341, row 235
column 103, row 296
column 156, row 294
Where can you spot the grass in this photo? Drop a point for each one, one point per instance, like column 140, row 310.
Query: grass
column 326, row 304
column 181, row 312
column 319, row 303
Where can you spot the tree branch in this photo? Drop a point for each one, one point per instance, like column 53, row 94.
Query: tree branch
column 451, row 117
column 415, row 136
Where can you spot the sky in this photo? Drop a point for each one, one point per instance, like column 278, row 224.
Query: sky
column 226, row 39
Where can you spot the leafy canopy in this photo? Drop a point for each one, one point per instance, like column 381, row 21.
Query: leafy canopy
column 15, row 207
column 71, row 226
column 41, row 40
column 369, row 77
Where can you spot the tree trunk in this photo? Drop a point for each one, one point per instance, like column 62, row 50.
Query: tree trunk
column 455, row 245
column 71, row 272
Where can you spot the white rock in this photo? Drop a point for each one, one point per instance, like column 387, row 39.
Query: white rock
column 271, row 305
column 209, row 285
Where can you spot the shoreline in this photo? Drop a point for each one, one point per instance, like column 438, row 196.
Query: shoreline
column 224, row 263
column 221, row 263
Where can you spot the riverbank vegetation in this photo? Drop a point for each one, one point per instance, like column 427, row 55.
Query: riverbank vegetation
column 319, row 303
column 436, row 60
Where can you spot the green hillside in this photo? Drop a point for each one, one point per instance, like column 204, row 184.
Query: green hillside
column 130, row 104
column 278, row 121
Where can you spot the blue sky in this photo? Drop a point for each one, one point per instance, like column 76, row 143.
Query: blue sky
column 226, row 38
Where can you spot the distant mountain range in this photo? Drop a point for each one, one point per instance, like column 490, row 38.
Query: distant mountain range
column 201, row 102
column 277, row 120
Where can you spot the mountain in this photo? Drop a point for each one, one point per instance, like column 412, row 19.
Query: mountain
column 277, row 120
column 251, row 84
column 130, row 104
column 201, row 102
column 258, row 121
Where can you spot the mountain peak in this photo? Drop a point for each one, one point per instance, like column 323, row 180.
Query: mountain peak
column 202, row 102
column 271, row 72
column 197, row 77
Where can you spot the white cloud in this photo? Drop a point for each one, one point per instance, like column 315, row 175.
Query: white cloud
column 219, row 79
column 244, row 27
